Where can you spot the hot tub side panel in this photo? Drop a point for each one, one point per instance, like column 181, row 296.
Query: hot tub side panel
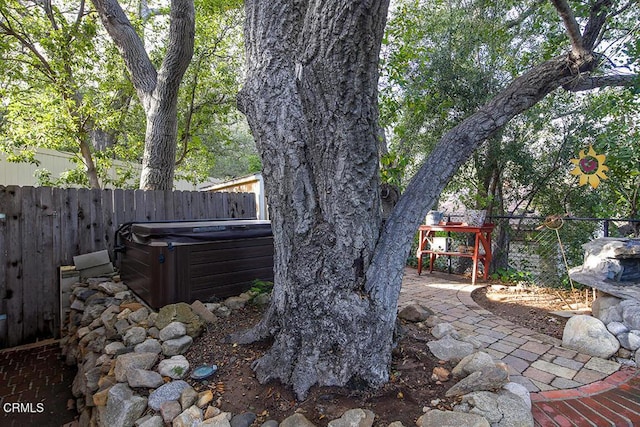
column 225, row 268
column 149, row 271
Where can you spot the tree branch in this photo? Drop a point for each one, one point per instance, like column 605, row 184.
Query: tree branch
column 572, row 27
column 143, row 73
column 597, row 19
column 181, row 42
column 582, row 82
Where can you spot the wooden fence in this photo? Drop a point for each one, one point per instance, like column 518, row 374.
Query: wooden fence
column 43, row 228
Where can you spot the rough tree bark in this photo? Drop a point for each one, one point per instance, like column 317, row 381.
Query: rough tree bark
column 310, row 98
column 156, row 89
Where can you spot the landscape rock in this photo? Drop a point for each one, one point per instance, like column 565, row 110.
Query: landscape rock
column 155, row 421
column 150, row 345
column 520, row 391
column 602, row 303
column 188, row 397
column 188, row 418
column 590, row 336
column 354, row 418
column 123, row 407
column 503, row 409
column 221, row 420
column 139, row 315
column 449, row 349
column 176, row 346
column 134, row 336
column 487, row 379
column 180, row 312
column 170, row 410
column 201, row 310
column 474, row 362
column 172, row 331
column 296, row 420
column 204, row 398
column 176, row 367
column 112, row 288
column 444, row 329
column 166, row 392
column 128, row 361
column 415, row 312
column 631, row 313
column 438, row 418
column 243, row 420
column 617, row 328
column 144, row 378
column 235, row 303
column 629, row 340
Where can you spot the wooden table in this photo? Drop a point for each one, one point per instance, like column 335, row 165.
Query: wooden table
column 482, row 241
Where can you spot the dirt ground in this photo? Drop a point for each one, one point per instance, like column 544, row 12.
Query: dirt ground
column 412, row 386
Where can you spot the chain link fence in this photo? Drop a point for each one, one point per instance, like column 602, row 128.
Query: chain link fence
column 537, row 250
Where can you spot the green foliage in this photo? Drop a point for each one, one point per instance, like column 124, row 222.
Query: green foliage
column 393, row 167
column 261, row 287
column 509, row 275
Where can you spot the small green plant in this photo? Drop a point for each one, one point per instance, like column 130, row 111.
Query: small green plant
column 261, row 287
column 179, row 370
column 510, row 275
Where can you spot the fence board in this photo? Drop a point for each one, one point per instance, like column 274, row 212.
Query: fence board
column 32, row 222
column 13, row 296
column 45, row 228
column 5, row 199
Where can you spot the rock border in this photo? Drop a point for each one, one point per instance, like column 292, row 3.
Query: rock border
column 131, row 366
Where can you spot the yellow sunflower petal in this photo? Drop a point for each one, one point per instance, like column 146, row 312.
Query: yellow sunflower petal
column 594, row 181
column 583, row 179
column 576, row 171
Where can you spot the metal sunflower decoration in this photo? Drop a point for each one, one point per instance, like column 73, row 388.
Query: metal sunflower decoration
column 590, row 167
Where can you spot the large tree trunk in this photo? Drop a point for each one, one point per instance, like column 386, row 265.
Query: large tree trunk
column 311, row 101
column 310, row 98
column 157, row 90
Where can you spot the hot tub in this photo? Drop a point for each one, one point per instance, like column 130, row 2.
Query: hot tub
column 169, row 262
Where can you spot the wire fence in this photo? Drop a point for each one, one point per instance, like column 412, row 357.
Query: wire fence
column 538, row 250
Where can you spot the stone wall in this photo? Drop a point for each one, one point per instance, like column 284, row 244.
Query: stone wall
column 120, row 346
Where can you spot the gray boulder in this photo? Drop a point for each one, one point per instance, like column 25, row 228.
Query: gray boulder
column 176, row 367
column 164, row 393
column 438, row 418
column 590, row 336
column 520, row 391
column 176, row 346
column 296, row 420
column 449, row 349
column 144, row 378
column 123, row 407
column 354, row 418
column 442, row 330
column 474, row 362
column 602, row 303
column 192, row 416
column 617, row 328
column 487, row 379
column 629, row 340
column 172, row 331
column 128, row 361
column 415, row 312
column 150, row 345
column 134, row 336
column 631, row 313
column 502, row 409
